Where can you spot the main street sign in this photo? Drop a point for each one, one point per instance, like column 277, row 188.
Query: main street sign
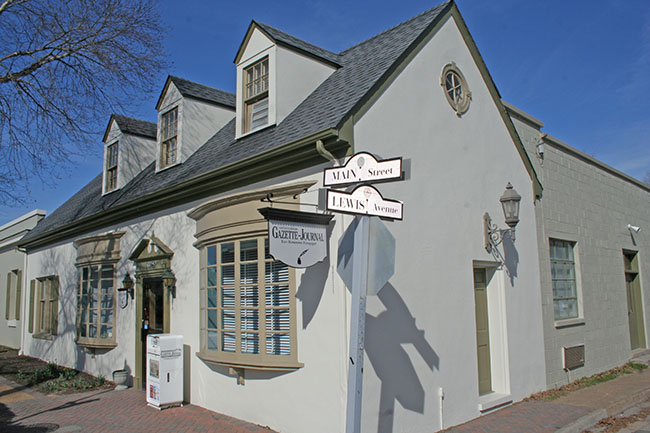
column 363, row 167
column 364, row 200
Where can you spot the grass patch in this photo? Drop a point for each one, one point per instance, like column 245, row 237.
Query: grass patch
column 586, row 382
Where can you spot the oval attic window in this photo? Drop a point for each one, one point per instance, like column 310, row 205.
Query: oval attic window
column 455, row 87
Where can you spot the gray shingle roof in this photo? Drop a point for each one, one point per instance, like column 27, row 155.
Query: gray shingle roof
column 202, row 92
column 362, row 67
column 287, row 39
column 129, row 125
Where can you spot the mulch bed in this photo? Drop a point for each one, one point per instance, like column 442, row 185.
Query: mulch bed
column 46, row 378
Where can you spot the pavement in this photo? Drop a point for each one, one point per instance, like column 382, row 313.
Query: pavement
column 25, row 411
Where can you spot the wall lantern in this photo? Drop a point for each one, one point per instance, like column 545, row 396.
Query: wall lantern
column 169, row 281
column 492, row 234
column 127, row 285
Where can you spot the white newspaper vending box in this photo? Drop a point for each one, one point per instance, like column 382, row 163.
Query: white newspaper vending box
column 164, row 370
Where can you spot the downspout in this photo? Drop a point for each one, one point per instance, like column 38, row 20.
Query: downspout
column 320, row 148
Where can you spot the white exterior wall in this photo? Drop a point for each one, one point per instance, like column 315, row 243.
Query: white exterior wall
column 175, row 230
column 292, row 77
column 267, row 398
column 134, row 154
column 297, row 76
column 589, row 204
column 197, row 122
column 459, row 169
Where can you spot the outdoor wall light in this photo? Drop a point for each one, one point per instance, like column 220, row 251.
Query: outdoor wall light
column 127, row 285
column 169, row 281
column 492, row 234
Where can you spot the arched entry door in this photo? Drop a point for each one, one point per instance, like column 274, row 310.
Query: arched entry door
column 152, row 298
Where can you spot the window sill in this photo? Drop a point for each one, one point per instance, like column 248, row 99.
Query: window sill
column 284, row 366
column 89, row 345
column 159, row 168
column 261, row 128
column 566, row 323
column 43, row 336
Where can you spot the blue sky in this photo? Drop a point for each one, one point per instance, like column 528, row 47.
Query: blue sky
column 581, row 67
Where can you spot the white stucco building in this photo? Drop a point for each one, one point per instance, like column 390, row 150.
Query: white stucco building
column 268, row 343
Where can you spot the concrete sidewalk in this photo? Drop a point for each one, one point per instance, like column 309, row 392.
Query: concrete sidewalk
column 573, row 413
column 25, row 411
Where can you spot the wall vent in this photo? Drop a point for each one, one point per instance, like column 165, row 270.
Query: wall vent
column 574, row 357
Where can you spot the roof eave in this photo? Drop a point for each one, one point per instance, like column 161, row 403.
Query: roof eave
column 299, row 154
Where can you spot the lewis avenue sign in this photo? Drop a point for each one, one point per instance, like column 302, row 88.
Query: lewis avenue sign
column 364, row 200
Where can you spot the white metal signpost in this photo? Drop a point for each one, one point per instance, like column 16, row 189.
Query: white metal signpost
column 364, row 201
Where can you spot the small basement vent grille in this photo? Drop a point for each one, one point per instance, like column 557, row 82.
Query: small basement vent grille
column 574, row 357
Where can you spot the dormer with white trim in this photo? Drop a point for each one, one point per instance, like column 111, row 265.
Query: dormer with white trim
column 275, row 73
column 129, row 146
column 188, row 115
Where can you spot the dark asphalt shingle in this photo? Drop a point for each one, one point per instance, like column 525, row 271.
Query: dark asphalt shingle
column 202, row 92
column 129, row 125
column 362, row 67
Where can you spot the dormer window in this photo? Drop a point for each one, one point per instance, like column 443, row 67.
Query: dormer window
column 168, row 149
column 111, row 167
column 256, row 95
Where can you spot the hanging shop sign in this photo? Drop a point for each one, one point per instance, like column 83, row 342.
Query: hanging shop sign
column 298, row 239
column 363, row 167
column 364, row 200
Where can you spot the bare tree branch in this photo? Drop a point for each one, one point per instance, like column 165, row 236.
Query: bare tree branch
column 65, row 66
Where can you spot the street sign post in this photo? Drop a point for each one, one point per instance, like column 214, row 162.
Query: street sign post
column 364, row 201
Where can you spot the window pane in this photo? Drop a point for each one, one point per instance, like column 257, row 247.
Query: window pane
column 107, row 302
column 278, row 344
column 248, row 297
column 212, row 255
column 212, row 277
column 228, row 342
column 249, row 320
column 228, row 274
column 213, row 338
column 277, row 320
column 92, row 331
column 277, row 296
column 212, row 319
column 212, row 297
column 227, row 253
column 248, row 273
column 106, row 331
column 248, row 250
column 250, row 343
column 277, row 272
column 228, row 297
column 228, row 319
column 107, row 286
column 107, row 271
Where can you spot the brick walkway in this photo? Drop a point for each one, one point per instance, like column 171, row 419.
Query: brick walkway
column 23, row 411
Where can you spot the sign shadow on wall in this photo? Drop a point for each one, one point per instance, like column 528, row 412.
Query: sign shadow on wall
column 386, row 335
column 388, row 332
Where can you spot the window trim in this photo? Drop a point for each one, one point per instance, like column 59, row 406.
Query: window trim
column 46, row 298
column 164, row 139
column 248, row 102
column 96, row 341
column 579, row 318
column 97, row 250
column 13, row 291
column 233, row 217
column 460, row 106
column 261, row 360
column 108, row 169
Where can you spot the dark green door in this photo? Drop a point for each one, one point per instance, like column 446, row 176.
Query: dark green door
column 482, row 332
